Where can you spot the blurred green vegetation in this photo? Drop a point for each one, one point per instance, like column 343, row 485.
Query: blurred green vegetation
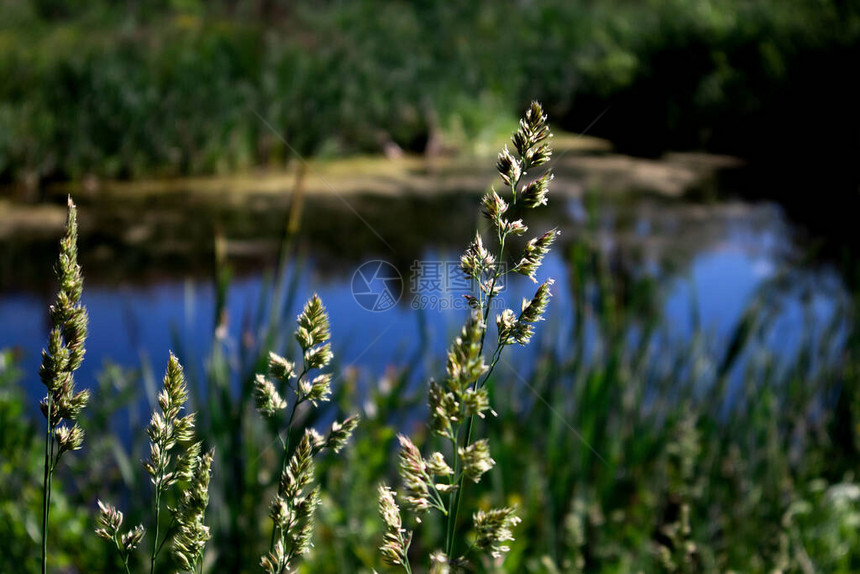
column 140, row 89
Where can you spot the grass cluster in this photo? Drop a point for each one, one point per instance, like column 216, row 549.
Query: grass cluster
column 628, row 451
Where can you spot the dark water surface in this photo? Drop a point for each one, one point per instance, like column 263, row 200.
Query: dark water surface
column 150, row 265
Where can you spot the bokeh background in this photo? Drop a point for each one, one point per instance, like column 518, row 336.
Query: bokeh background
column 691, row 403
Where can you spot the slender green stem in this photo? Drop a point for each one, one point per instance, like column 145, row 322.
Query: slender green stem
column 52, row 465
column 46, row 492
column 452, row 498
column 485, row 308
column 122, row 553
column 155, row 546
column 167, row 535
column 497, row 354
column 438, row 503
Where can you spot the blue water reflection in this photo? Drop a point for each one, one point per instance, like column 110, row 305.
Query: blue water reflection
column 708, row 268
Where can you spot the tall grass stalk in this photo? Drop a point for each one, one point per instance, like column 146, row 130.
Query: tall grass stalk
column 532, row 150
column 62, row 358
column 432, row 483
column 186, row 475
column 292, row 509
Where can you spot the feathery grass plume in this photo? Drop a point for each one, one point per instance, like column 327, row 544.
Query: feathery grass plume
column 62, row 358
column 269, row 401
column 455, row 404
column 535, row 193
column 293, row 506
column 476, row 460
column 110, row 521
column 477, row 260
column 421, row 494
column 191, row 532
column 439, row 563
column 340, row 433
column 166, row 430
column 395, row 545
column 187, row 473
column 465, row 362
column 493, row 528
column 519, row 329
column 444, row 410
column 533, row 254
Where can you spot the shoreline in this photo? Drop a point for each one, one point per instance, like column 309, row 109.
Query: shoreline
column 580, row 163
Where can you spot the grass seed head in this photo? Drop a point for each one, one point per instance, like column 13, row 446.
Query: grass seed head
column 533, row 254
column 267, row 398
column 444, row 410
column 476, row 402
column 509, row 168
column 300, row 470
column 396, row 540
column 70, row 438
column 109, row 521
column 493, row 207
column 437, row 466
column 319, row 389
column 341, row 432
column 280, row 368
column 65, row 351
column 413, row 474
column 302, row 527
column 535, row 193
column 439, row 563
column 493, row 528
column 465, row 360
column 476, row 459
column 192, row 534
column 131, row 539
column 276, row 560
column 318, row 357
column 313, row 325
column 477, row 260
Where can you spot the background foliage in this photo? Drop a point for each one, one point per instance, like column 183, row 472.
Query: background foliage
column 138, row 89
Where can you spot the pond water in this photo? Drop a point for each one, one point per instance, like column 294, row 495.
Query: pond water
column 150, row 266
